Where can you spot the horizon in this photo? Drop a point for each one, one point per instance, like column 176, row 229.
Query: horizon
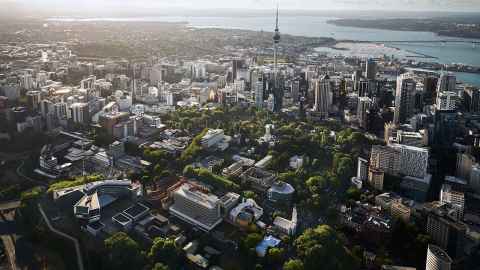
column 124, row 8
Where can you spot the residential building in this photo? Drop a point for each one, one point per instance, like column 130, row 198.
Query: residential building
column 437, row 259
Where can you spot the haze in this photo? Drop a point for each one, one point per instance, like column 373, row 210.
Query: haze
column 109, row 7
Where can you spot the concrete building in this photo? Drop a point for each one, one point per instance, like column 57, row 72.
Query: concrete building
column 323, row 96
column 437, row 259
column 447, row 82
column 363, row 106
column 453, row 197
column 465, row 163
column 196, row 206
column 79, row 113
column 400, row 211
column 446, row 232
column 280, row 192
column 385, row 158
column 447, row 101
column 375, row 178
column 362, row 169
column 404, row 98
column 215, row 139
column 370, row 69
column 413, row 160
column 475, row 178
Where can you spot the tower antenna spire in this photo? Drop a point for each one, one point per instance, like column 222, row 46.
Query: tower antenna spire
column 276, row 20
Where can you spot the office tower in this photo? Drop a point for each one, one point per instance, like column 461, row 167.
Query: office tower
column 356, row 76
column 26, row 81
column 196, row 206
column 453, row 197
column 363, row 106
column 33, row 100
column 295, row 90
column 404, row 98
column 445, row 128
column 465, row 162
column 323, row 96
column 413, row 160
column 446, row 232
column 447, row 82
column 447, row 101
column 475, row 178
column 385, row 158
column 370, row 69
column 471, row 97
column 437, row 259
column 258, row 86
column 237, row 64
column 277, row 88
column 362, row 169
column 79, row 113
column 88, row 83
column 390, row 131
column 429, row 90
column 362, row 87
column 375, row 178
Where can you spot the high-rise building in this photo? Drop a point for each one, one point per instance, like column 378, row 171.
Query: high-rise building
column 453, row 197
column 370, row 69
column 404, row 98
column 196, row 206
column 79, row 113
column 385, row 158
column 362, row 169
column 33, row 100
column 465, row 162
column 429, row 90
column 446, row 232
column 323, row 96
column 400, row 159
column 471, row 97
column 413, row 160
column 375, row 178
column 447, row 101
column 437, row 259
column 475, row 178
column 363, row 106
column 258, row 86
column 447, row 82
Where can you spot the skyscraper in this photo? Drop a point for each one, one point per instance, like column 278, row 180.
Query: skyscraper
column 447, row 82
column 323, row 96
column 370, row 69
column 404, row 98
column 447, row 101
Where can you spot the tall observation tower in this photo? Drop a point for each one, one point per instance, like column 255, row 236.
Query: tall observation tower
column 277, row 90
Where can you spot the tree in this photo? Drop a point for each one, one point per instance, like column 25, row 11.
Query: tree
column 275, row 255
column 323, row 246
column 123, row 252
column 163, row 250
column 160, row 266
column 248, row 194
column 293, row 264
column 252, row 240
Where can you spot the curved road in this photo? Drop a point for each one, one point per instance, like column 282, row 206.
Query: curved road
column 64, row 235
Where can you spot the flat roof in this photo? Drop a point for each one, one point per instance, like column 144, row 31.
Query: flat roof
column 136, row 210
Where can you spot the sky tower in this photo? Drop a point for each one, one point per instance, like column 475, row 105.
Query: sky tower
column 277, row 91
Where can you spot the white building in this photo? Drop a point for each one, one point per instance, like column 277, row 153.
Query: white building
column 79, row 113
column 455, row 198
column 196, row 207
column 215, row 139
column 447, row 101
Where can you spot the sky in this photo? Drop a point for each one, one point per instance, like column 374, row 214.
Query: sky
column 149, row 5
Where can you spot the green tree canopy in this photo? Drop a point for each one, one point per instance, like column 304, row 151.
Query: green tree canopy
column 293, row 264
column 123, row 252
column 322, row 246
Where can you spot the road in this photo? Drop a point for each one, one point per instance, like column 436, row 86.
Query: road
column 64, row 235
